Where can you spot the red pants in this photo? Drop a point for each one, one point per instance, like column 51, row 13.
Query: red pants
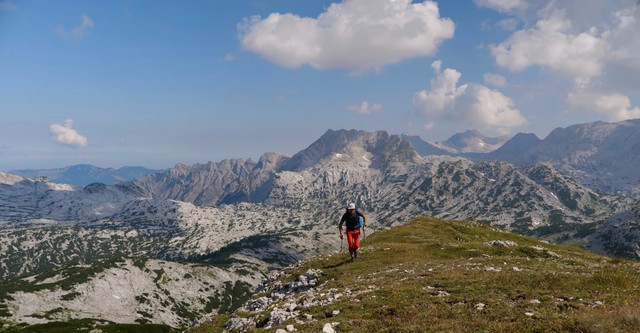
column 353, row 238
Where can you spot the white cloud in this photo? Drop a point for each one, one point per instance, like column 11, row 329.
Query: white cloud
column 625, row 38
column 591, row 42
column 67, row 135
column 364, row 108
column 229, row 57
column 504, row 6
column 495, row 80
column 469, row 103
column 78, row 32
column 614, row 107
column 509, row 24
column 7, row 5
column 551, row 44
column 357, row 35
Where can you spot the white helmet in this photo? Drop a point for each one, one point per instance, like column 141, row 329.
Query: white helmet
column 351, row 206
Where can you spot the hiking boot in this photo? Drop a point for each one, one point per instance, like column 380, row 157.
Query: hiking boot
column 356, row 253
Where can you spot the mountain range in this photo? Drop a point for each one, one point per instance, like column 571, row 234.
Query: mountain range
column 601, row 155
column 65, row 243
column 85, row 174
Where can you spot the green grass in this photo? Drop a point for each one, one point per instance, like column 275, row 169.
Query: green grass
column 88, row 325
column 224, row 256
column 534, row 291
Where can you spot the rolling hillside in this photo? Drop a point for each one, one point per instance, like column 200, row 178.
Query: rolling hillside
column 446, row 276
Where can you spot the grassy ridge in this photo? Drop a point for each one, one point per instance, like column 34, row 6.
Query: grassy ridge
column 446, row 276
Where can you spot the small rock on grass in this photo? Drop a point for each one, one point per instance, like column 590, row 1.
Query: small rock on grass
column 327, row 328
column 596, row 304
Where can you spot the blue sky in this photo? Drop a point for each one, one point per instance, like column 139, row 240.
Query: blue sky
column 154, row 83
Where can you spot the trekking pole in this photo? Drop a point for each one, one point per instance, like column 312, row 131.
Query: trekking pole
column 341, row 239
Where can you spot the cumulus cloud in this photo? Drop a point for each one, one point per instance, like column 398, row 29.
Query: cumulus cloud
column 614, row 107
column 495, row 80
column 468, row 103
column 585, row 40
column 624, row 38
column 551, row 44
column 357, row 35
column 591, row 43
column 78, row 32
column 67, row 135
column 365, row 108
column 504, row 6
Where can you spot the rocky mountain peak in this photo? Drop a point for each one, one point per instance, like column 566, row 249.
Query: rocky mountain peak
column 330, row 143
column 423, row 147
column 512, row 149
column 602, row 155
column 271, row 160
column 583, row 135
column 521, row 141
column 472, row 141
column 178, row 170
column 95, row 188
column 358, row 145
column 9, row 179
column 515, row 147
column 132, row 189
column 543, row 172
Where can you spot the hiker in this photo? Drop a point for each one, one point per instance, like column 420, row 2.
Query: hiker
column 352, row 217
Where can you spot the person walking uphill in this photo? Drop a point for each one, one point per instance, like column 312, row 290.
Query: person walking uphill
column 352, row 218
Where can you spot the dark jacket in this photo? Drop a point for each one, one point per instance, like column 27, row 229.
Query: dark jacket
column 353, row 220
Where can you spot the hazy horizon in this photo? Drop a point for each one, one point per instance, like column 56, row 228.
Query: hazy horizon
column 255, row 158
